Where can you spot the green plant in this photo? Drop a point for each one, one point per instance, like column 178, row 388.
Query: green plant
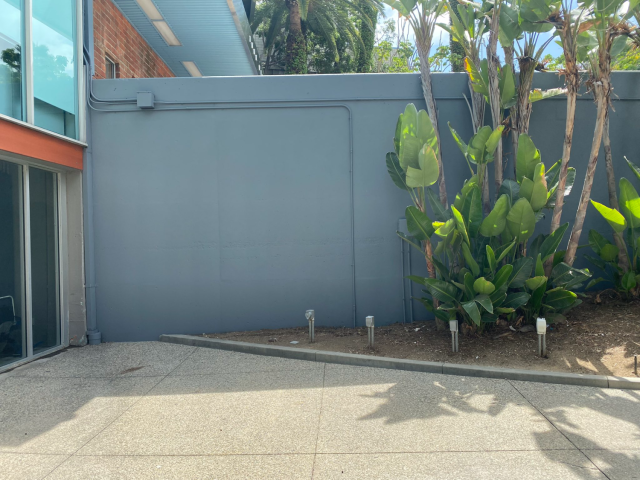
column 625, row 223
column 479, row 266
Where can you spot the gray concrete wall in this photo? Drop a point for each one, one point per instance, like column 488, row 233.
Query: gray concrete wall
column 241, row 212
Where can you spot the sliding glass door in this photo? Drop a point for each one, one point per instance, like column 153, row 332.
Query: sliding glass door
column 29, row 262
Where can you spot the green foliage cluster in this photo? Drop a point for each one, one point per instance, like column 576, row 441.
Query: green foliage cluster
column 486, row 266
column 625, row 222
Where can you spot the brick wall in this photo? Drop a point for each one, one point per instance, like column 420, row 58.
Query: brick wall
column 115, row 37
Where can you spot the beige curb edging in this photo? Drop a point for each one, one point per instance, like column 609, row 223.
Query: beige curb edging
column 601, row 381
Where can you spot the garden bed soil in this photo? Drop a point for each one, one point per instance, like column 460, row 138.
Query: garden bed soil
column 601, row 336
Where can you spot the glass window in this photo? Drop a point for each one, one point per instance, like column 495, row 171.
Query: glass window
column 110, row 68
column 11, row 21
column 54, row 65
column 45, row 294
column 12, row 318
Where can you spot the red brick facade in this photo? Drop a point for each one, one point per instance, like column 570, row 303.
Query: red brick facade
column 115, row 37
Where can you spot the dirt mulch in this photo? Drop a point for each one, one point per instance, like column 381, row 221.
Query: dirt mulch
column 601, row 337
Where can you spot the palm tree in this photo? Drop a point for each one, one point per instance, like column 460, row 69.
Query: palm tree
column 328, row 19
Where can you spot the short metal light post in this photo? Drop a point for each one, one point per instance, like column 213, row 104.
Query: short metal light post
column 541, row 328
column 370, row 321
column 311, row 316
column 453, row 326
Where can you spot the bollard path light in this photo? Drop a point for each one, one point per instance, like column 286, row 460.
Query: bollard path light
column 311, row 316
column 541, row 328
column 370, row 322
column 453, row 326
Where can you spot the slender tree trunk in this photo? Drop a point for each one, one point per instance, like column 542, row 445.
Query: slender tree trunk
column 494, row 92
column 508, row 56
column 574, row 240
column 427, row 90
column 296, row 53
column 428, row 253
column 573, row 83
column 367, row 34
column 456, row 50
column 623, row 257
column 520, row 120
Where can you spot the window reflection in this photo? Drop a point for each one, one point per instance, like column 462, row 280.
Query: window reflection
column 11, row 101
column 54, row 67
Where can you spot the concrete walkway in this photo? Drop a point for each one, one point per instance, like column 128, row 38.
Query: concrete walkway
column 157, row 410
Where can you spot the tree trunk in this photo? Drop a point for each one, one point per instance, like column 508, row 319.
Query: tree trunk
column 573, row 83
column 296, row 53
column 456, row 50
column 367, row 34
column 494, row 92
column 623, row 257
column 425, row 77
column 599, row 89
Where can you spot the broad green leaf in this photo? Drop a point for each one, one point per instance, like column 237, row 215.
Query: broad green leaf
column 504, row 310
column 509, row 24
column 441, row 268
column 491, row 258
column 552, row 241
column 504, row 250
column 468, row 285
column 507, row 87
column 494, row 224
column 398, row 136
column 537, row 94
column 475, row 212
column 461, row 145
column 629, row 203
column 410, row 121
column 485, row 301
column 426, row 133
column 482, row 285
column 613, row 217
column 539, row 270
column 521, row 272
column 502, row 276
column 510, row 188
column 471, row 262
column 597, row 261
column 430, row 307
column 521, row 221
column 418, row 224
column 444, row 229
column 494, row 139
column 527, row 158
column 472, row 310
column 594, row 282
column 457, row 216
column 597, row 241
column 427, row 175
column 416, row 279
column 477, row 81
column 535, row 189
column 609, row 253
column 535, row 302
column 516, row 300
column 634, row 168
column 436, row 207
column 395, row 171
column 559, row 298
column 443, row 291
column 565, row 276
column 409, row 150
column 476, row 151
column 534, row 282
column 410, row 241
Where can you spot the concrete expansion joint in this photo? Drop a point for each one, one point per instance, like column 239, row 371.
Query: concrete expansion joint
column 599, row 381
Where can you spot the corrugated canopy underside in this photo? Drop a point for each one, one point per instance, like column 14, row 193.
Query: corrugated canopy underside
column 208, row 32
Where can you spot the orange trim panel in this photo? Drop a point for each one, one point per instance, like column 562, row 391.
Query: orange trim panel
column 21, row 140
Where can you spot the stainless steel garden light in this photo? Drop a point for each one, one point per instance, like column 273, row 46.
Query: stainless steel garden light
column 453, row 326
column 370, row 322
column 311, row 316
column 541, row 328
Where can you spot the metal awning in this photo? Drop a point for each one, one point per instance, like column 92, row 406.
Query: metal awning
column 213, row 34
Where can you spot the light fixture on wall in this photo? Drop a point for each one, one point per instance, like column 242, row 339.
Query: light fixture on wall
column 192, row 68
column 158, row 21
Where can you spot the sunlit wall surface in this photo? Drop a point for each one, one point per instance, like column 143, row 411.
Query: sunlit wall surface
column 11, row 80
column 54, row 65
